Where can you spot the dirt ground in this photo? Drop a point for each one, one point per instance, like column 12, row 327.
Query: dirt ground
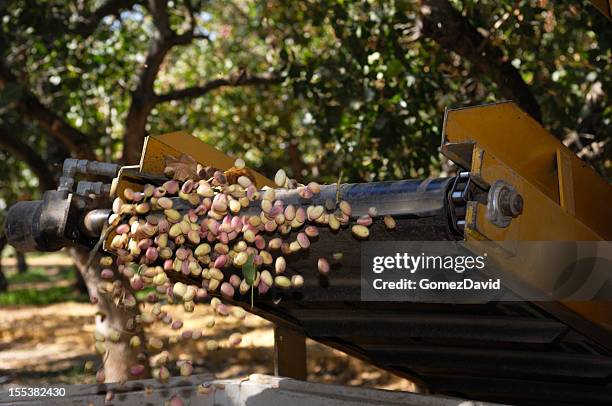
column 50, row 344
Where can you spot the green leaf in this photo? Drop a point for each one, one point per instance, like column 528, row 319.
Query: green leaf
column 394, row 67
column 10, row 93
column 249, row 270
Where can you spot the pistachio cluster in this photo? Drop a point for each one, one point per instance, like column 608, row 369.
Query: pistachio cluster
column 218, row 231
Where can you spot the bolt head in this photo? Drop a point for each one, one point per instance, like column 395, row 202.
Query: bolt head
column 516, row 204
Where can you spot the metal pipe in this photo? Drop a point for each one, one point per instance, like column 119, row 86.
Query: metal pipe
column 84, row 166
column 395, row 198
column 94, row 220
column 398, row 198
column 73, row 166
column 419, row 206
column 21, row 225
column 86, row 188
column 39, row 225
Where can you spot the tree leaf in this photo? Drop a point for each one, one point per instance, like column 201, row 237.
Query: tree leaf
column 394, row 67
column 182, row 168
column 233, row 174
column 249, row 270
column 10, row 93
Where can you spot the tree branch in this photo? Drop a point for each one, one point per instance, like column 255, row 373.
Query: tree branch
column 191, row 14
column 88, row 24
column 23, row 152
column 159, row 12
column 28, row 104
column 242, row 79
column 452, row 31
column 163, row 40
column 143, row 96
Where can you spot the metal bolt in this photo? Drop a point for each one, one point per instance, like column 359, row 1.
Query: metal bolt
column 516, row 204
column 510, row 202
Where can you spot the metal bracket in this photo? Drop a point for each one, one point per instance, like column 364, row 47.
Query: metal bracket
column 464, row 190
column 504, row 204
column 289, row 353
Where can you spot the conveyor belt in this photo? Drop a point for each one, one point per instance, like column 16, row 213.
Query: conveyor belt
column 505, row 352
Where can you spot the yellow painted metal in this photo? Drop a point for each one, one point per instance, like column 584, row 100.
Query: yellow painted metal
column 181, row 142
column 513, row 138
column 157, row 147
column 564, row 199
column 542, row 219
column 123, row 183
column 605, row 6
column 566, row 181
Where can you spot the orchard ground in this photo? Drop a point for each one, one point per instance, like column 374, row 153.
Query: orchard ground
column 46, row 335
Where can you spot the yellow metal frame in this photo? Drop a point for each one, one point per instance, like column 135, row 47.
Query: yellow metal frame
column 564, row 199
column 181, row 142
column 152, row 160
column 157, row 147
column 605, row 6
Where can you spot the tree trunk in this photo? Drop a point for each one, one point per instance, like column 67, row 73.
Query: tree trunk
column 22, row 265
column 80, row 284
column 3, row 281
column 110, row 317
column 135, row 130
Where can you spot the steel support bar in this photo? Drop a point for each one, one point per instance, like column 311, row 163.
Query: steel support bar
column 289, row 353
